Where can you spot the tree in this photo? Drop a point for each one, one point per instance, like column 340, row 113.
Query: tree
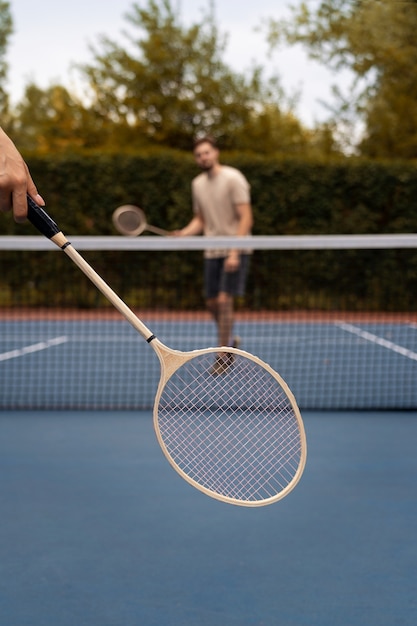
column 163, row 84
column 376, row 41
column 6, row 29
column 53, row 120
column 169, row 84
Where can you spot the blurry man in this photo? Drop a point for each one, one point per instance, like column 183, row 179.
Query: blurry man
column 222, row 207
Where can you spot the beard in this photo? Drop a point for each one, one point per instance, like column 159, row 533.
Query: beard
column 206, row 167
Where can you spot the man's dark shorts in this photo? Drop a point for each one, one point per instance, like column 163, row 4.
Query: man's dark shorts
column 216, row 279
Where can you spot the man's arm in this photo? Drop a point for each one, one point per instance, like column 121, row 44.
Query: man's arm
column 194, row 227
column 244, row 212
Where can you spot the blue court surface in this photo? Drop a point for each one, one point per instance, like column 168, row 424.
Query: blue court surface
column 97, row 529
column 92, row 364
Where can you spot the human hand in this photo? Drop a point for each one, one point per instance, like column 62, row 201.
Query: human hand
column 232, row 261
column 15, row 180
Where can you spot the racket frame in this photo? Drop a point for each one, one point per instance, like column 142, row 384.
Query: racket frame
column 170, row 361
column 143, row 224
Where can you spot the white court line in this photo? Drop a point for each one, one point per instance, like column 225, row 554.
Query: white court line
column 377, row 340
column 36, row 347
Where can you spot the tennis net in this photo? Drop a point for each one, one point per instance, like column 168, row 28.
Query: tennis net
column 336, row 316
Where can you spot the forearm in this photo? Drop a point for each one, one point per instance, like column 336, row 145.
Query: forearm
column 195, row 227
column 245, row 220
column 243, row 229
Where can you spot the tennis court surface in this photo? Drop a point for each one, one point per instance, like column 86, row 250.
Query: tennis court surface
column 336, row 361
column 96, row 528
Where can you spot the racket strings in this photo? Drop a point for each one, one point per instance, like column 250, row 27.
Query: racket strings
column 130, row 221
column 235, row 434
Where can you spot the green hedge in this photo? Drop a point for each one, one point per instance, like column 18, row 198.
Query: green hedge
column 289, row 197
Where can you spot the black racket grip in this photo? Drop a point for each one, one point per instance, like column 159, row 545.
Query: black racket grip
column 41, row 220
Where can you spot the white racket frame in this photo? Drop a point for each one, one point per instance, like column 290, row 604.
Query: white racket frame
column 171, row 360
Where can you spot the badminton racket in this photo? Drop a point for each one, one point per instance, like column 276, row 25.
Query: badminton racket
column 130, row 220
column 234, row 432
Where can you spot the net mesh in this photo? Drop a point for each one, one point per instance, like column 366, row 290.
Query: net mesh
column 335, row 316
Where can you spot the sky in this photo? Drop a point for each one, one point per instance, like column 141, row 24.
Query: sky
column 51, row 36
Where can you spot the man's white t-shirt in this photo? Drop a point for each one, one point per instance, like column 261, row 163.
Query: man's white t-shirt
column 215, row 199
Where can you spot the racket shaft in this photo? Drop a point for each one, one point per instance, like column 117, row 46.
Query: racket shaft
column 105, row 289
column 46, row 226
column 156, row 230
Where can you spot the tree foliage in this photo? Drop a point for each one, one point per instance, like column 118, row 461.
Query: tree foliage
column 376, row 41
column 167, row 82
column 53, row 120
column 6, row 29
column 161, row 84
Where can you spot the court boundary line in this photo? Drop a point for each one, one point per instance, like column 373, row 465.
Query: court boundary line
column 35, row 347
column 380, row 341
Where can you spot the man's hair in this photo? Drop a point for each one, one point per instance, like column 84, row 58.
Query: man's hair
column 205, row 139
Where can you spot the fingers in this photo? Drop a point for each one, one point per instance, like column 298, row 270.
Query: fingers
column 18, row 198
column 19, row 205
column 33, row 193
column 231, row 263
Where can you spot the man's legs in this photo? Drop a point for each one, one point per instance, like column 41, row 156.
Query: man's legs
column 221, row 289
column 221, row 309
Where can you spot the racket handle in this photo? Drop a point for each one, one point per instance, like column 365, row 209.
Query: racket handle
column 41, row 220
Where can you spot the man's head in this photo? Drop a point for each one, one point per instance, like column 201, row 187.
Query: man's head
column 206, row 153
